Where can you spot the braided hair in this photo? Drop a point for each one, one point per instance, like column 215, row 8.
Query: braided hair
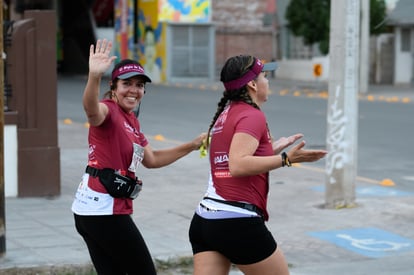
column 234, row 68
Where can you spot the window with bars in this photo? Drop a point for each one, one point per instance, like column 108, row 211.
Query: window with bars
column 405, row 40
column 190, row 51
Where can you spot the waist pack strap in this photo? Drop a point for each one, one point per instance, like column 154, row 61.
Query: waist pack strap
column 92, row 171
column 104, row 173
column 247, row 206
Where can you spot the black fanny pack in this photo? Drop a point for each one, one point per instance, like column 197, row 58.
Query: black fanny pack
column 117, row 185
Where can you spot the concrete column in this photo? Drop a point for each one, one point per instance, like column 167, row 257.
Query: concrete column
column 32, row 73
column 342, row 117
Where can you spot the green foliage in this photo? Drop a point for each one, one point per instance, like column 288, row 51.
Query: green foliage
column 310, row 20
column 378, row 12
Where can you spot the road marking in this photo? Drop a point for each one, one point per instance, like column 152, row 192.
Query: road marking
column 372, row 191
column 324, row 94
column 369, row 242
column 322, row 170
column 311, row 93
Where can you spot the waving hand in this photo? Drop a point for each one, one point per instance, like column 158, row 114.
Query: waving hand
column 99, row 58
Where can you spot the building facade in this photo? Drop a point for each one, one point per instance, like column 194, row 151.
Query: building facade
column 402, row 19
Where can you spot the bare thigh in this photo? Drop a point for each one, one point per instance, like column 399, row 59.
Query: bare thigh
column 211, row 262
column 275, row 264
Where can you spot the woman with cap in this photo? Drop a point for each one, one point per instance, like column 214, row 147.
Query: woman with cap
column 103, row 202
column 228, row 226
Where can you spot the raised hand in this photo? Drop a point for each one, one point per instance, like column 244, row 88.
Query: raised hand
column 99, row 58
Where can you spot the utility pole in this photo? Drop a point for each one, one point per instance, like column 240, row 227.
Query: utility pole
column 342, row 116
column 2, row 199
column 364, row 49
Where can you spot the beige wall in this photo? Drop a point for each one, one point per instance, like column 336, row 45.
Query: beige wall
column 240, row 29
column 230, row 44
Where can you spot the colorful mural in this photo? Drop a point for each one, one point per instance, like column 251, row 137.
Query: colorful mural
column 140, row 31
column 139, row 35
column 124, row 28
column 185, row 10
column 151, row 33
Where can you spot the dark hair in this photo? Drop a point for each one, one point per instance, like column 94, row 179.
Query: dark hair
column 121, row 63
column 234, row 68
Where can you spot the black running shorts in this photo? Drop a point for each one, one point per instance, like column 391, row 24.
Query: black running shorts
column 241, row 240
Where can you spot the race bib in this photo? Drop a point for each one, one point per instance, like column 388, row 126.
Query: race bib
column 137, row 157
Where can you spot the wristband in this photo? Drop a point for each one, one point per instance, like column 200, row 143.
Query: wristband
column 285, row 160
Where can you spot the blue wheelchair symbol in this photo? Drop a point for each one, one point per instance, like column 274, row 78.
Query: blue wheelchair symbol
column 370, row 242
column 373, row 244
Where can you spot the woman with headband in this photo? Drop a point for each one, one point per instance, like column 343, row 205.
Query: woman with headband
column 228, row 226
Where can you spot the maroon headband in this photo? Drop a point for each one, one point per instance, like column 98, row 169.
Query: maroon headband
column 244, row 79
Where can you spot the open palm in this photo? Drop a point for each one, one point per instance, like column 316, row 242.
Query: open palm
column 99, row 57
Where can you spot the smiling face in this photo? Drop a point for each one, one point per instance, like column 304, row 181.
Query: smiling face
column 129, row 92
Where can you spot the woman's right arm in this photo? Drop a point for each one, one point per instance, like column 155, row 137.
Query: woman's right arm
column 95, row 110
column 99, row 62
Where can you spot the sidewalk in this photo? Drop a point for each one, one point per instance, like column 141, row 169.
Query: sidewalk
column 375, row 237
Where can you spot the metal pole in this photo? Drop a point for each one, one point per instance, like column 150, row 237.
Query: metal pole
column 342, row 113
column 364, row 54
column 2, row 199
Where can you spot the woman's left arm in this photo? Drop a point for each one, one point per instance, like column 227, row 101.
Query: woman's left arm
column 164, row 157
